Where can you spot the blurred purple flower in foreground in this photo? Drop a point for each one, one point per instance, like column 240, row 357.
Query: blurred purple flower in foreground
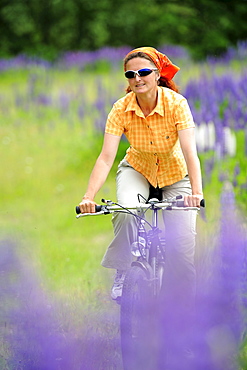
column 212, row 339
column 220, row 305
column 35, row 339
column 39, row 335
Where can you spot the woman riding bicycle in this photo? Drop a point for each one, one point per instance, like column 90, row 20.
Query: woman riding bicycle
column 159, row 126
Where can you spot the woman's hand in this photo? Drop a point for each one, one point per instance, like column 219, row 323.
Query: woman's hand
column 87, row 205
column 193, row 200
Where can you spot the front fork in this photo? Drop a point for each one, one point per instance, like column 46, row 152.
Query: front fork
column 150, row 265
column 157, row 269
column 154, row 268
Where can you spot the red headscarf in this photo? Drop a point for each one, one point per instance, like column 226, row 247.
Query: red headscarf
column 166, row 68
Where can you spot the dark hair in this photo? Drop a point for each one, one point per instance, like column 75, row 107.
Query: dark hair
column 170, row 84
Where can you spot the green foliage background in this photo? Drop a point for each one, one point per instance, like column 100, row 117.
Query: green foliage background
column 47, row 28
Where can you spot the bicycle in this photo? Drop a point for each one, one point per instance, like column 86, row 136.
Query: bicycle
column 143, row 281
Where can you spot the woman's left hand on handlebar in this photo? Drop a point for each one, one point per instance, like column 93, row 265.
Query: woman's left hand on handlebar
column 87, row 205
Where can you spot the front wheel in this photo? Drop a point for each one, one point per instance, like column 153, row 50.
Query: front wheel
column 137, row 312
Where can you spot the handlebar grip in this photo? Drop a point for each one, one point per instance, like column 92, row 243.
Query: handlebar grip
column 97, row 209
column 202, row 203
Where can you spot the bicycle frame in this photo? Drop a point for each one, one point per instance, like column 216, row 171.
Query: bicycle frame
column 148, row 260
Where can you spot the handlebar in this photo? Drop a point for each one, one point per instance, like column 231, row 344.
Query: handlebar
column 98, row 208
column 110, row 207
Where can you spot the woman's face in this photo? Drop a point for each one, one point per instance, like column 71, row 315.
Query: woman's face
column 142, row 85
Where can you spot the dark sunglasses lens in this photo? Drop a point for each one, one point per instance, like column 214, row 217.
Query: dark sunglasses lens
column 145, row 72
column 129, row 74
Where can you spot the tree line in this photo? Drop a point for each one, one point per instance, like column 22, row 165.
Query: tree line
column 49, row 27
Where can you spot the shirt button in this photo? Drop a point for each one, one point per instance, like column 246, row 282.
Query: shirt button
column 167, row 137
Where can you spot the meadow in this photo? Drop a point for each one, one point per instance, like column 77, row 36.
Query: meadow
column 52, row 119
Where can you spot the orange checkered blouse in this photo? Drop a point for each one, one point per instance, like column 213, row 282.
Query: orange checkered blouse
column 154, row 149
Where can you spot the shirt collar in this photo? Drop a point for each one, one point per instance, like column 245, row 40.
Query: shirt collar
column 133, row 106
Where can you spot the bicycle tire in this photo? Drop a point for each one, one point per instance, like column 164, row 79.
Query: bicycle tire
column 136, row 321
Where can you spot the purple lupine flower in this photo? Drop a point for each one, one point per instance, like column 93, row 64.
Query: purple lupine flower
column 220, row 320
column 81, row 59
column 19, row 99
column 220, row 99
column 175, row 52
column 81, row 111
column 64, row 102
column 32, row 86
column 233, row 53
column 208, row 168
column 33, row 337
column 245, row 141
column 43, row 99
column 222, row 177
column 23, row 62
column 216, row 334
column 236, row 170
column 37, row 331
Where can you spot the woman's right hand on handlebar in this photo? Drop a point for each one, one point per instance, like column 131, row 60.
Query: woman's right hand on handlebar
column 87, row 205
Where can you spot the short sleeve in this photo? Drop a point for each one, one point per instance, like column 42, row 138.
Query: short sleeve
column 114, row 123
column 183, row 116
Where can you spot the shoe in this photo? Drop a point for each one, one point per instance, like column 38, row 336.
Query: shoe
column 117, row 287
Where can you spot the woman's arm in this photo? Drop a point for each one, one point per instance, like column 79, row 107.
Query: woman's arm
column 100, row 172
column 188, row 145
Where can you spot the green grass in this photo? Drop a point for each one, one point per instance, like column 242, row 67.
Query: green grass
column 45, row 174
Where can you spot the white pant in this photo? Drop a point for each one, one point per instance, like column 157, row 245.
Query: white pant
column 180, row 225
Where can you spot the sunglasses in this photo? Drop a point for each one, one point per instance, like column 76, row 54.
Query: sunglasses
column 141, row 73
